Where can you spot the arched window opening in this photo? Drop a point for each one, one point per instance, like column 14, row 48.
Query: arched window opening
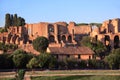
column 116, row 42
column 107, row 40
column 51, row 39
column 64, row 38
column 69, row 39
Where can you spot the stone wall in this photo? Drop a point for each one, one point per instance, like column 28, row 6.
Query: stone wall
column 108, row 33
column 57, row 33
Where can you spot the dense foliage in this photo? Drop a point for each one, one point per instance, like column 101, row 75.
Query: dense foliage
column 113, row 59
column 11, row 20
column 6, row 61
column 96, row 24
column 80, row 24
column 97, row 46
column 3, row 30
column 42, row 61
column 20, row 58
column 40, row 44
column 92, row 24
column 7, row 20
column 21, row 73
column 8, row 47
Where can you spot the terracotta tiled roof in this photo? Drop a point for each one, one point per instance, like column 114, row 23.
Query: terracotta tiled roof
column 70, row 50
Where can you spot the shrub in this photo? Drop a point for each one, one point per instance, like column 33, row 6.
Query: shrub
column 20, row 75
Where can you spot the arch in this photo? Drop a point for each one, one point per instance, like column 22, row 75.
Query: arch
column 19, row 39
column 64, row 38
column 70, row 39
column 9, row 37
column 116, row 41
column 4, row 39
column 96, row 37
column 51, row 38
column 14, row 38
column 50, row 28
column 107, row 40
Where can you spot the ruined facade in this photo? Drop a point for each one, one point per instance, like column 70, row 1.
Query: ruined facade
column 57, row 33
column 108, row 33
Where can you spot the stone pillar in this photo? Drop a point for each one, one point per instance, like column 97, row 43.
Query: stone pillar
column 20, row 30
column 45, row 31
column 112, row 41
column 7, row 42
column 66, row 38
column 21, row 42
column 16, row 41
column 11, row 40
column 56, row 33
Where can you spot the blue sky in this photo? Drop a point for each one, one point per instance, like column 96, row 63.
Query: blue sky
column 79, row 11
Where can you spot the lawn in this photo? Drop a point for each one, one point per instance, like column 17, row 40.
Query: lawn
column 66, row 75
column 7, row 79
column 75, row 72
column 77, row 78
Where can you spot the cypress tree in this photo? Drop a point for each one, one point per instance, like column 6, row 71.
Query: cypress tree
column 19, row 21
column 11, row 20
column 22, row 22
column 15, row 20
column 7, row 20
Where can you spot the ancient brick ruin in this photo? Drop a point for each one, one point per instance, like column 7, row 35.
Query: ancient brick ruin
column 108, row 33
column 58, row 34
column 55, row 32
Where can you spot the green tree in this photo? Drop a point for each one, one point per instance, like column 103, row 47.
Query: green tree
column 70, row 63
column 82, row 64
column 15, row 22
column 19, row 21
column 20, row 58
column 86, row 41
column 33, row 63
column 113, row 59
column 96, row 64
column 99, row 49
column 40, row 44
column 6, row 61
column 3, row 30
column 21, row 73
column 97, row 46
column 6, row 47
column 22, row 22
column 1, row 45
column 44, row 60
column 7, row 20
column 11, row 20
